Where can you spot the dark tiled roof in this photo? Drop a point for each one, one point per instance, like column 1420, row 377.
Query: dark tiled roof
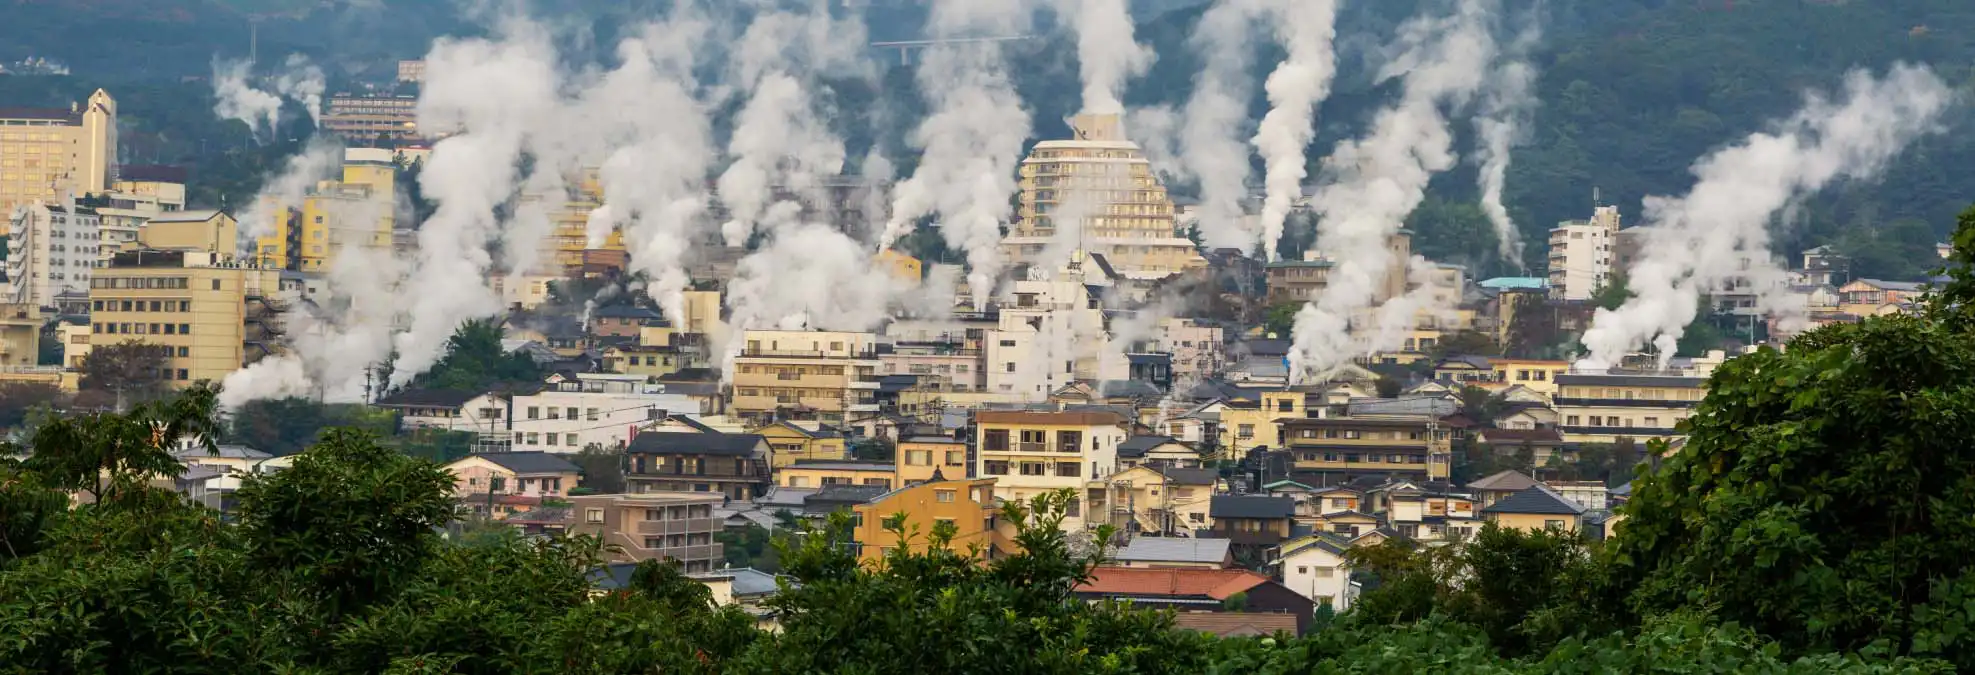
column 529, row 462
column 681, row 443
column 1536, row 499
column 1521, row 436
column 691, row 375
column 832, row 497
column 1249, row 506
column 1137, row 446
column 429, row 398
column 625, row 312
column 1503, row 480
column 1179, row 476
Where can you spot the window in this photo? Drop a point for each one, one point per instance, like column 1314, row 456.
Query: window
column 572, row 412
column 1245, row 431
column 1033, row 468
column 918, row 457
column 943, row 496
column 552, row 438
column 1067, row 470
column 1068, row 441
column 590, row 414
column 533, row 438
column 1326, row 572
column 1011, row 366
column 956, row 457
column 994, row 439
column 995, row 467
column 798, row 481
column 1032, row 436
column 571, row 437
column 555, row 413
column 593, row 516
column 1653, row 422
column 1553, row 524
column 183, row 352
column 1570, row 421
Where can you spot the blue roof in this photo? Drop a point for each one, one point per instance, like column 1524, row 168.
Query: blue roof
column 1501, row 283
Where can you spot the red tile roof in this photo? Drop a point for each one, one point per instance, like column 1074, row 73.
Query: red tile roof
column 1216, row 584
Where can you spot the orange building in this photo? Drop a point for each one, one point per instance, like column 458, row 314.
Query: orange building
column 967, row 504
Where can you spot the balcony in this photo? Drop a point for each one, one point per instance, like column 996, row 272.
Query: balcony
column 684, row 526
column 714, row 551
column 1623, row 403
column 809, row 381
column 864, row 355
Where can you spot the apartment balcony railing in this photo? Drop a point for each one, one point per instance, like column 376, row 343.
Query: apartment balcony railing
column 1625, row 402
column 686, row 526
column 871, row 354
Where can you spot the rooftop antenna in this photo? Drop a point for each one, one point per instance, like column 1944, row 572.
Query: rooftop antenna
column 1597, row 200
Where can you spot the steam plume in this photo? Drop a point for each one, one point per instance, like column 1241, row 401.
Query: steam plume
column 303, row 82
column 237, row 99
column 1298, row 85
column 1211, row 149
column 1698, row 243
column 1106, row 52
column 1506, row 107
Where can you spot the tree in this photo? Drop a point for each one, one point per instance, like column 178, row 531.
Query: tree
column 18, row 398
column 602, row 468
column 130, row 370
column 108, row 455
column 1387, row 387
column 1611, row 294
column 1481, row 405
column 1466, row 343
column 1280, row 320
column 475, row 361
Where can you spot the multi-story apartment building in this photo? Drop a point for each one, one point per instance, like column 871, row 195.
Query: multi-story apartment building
column 1334, row 451
column 1049, row 334
column 1604, row 407
column 942, row 365
column 735, row 465
column 1030, row 452
column 1198, row 350
column 1581, row 254
column 51, row 249
column 653, row 526
column 52, row 154
column 372, row 120
column 967, row 505
column 830, row 377
column 357, row 211
column 604, row 409
column 1305, row 280
column 1098, row 193
column 128, row 206
column 411, row 71
column 212, row 313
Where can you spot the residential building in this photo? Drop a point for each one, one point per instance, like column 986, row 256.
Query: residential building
column 51, row 249
column 826, row 472
column 919, row 458
column 411, row 71
column 372, row 120
column 1195, row 590
column 1499, row 485
column 1338, row 450
column 1874, row 297
column 904, row 269
column 1604, row 407
column 621, row 320
column 1097, row 193
column 1197, row 349
column 1051, row 333
column 1590, row 494
column 735, row 465
column 212, row 314
column 1313, row 566
column 20, row 336
column 943, row 364
column 125, row 209
column 571, row 413
column 53, row 154
column 529, row 474
column 1174, row 552
column 1305, row 280
column 1541, row 444
column 1536, row 507
column 644, row 360
column 804, row 441
column 334, row 216
column 653, row 526
column 1251, row 520
column 1246, row 424
column 967, row 506
column 1028, row 453
column 1581, row 257
column 1162, row 500
column 822, row 376
column 452, row 410
column 1156, row 451
column 1539, row 375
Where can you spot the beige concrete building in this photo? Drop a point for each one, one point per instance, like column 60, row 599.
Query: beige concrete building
column 1304, row 280
column 51, row 249
column 1604, row 407
column 1098, row 193
column 1028, row 453
column 20, row 335
column 411, row 71
column 51, row 153
column 654, row 526
column 1581, row 254
column 128, row 206
column 829, row 377
column 186, row 291
column 372, row 119
column 358, row 210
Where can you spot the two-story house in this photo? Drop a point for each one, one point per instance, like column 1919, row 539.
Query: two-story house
column 1534, row 508
column 1313, row 566
column 802, row 441
column 1169, row 501
column 965, row 505
column 1161, row 450
column 824, row 472
column 572, row 412
column 919, row 457
column 1604, row 407
column 653, row 526
column 530, row 474
column 450, row 409
column 735, row 465
column 1337, row 450
column 1029, row 452
column 1251, row 520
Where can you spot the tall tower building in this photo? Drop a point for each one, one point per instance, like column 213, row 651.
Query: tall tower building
column 359, row 210
column 1581, row 254
column 50, row 154
column 1097, row 193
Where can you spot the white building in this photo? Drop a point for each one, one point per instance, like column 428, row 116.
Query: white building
column 50, row 248
column 1581, row 254
column 599, row 408
column 128, row 206
column 1314, row 568
column 1198, row 350
column 1051, row 333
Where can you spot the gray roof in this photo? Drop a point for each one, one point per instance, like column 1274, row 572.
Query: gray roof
column 1537, row 499
column 1893, row 285
column 222, row 452
column 1180, row 476
column 1434, row 406
column 748, row 581
column 1173, row 549
column 1137, row 446
column 682, row 443
column 529, row 462
column 428, row 398
column 784, row 497
column 1251, row 506
column 840, row 465
column 185, row 216
column 833, row 497
column 1503, row 480
column 934, row 439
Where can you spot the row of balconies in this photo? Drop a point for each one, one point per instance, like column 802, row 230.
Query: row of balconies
column 687, row 526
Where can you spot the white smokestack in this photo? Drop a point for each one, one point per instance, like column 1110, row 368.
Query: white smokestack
column 1718, row 232
column 1298, row 86
column 1379, row 179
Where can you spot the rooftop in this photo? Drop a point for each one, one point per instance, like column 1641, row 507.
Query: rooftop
column 1172, row 549
column 1250, row 506
column 1510, row 480
column 186, row 216
column 684, row 443
column 529, row 462
column 838, row 465
column 1237, row 624
column 428, row 398
column 1047, row 417
column 1536, row 499
column 1216, row 584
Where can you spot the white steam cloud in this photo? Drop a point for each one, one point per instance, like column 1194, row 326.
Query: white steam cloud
column 1502, row 123
column 1211, row 149
column 303, row 81
column 1298, row 86
column 1717, row 233
column 237, row 99
column 1106, row 52
column 1379, row 179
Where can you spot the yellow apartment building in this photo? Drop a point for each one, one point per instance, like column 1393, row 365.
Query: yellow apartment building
column 1337, row 450
column 816, row 473
column 803, row 441
column 920, row 457
column 1602, row 407
column 20, row 335
column 821, row 376
column 185, row 291
column 51, row 153
column 1539, row 375
column 358, row 210
column 652, row 361
column 1101, row 185
column 1029, row 452
column 906, row 269
column 1246, row 426
column 966, row 504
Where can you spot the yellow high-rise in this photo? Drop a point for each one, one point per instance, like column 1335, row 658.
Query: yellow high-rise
column 359, row 210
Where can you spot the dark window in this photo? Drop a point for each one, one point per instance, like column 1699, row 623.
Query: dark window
column 994, row 439
column 1068, row 441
